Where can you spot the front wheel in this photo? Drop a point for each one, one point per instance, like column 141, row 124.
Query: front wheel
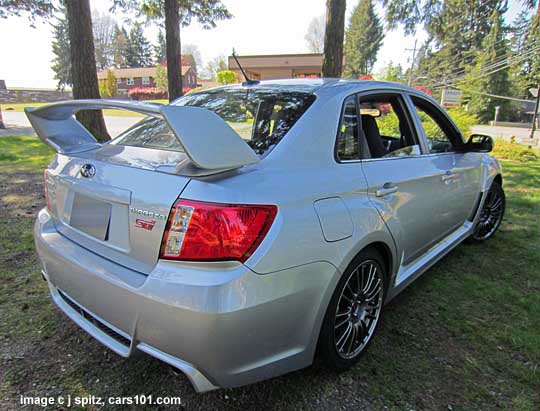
column 491, row 214
column 354, row 312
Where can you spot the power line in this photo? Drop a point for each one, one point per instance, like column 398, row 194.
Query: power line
column 491, row 68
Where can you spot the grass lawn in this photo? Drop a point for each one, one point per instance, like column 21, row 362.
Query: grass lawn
column 19, row 107
column 465, row 336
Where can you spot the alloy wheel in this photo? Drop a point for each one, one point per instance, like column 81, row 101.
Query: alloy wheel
column 490, row 216
column 358, row 309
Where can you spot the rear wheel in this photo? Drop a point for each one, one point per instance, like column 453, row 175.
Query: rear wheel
column 491, row 214
column 354, row 312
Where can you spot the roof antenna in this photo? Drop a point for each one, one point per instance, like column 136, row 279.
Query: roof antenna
column 248, row 82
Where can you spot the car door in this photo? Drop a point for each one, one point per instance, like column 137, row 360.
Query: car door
column 460, row 171
column 404, row 185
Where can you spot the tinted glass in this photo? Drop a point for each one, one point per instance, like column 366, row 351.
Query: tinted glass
column 347, row 142
column 261, row 117
column 441, row 136
column 385, row 127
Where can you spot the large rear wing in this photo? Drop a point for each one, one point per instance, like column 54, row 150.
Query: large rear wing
column 208, row 141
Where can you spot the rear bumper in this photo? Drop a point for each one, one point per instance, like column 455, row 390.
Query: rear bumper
column 220, row 324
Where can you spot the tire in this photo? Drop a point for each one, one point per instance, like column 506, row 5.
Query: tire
column 353, row 312
column 491, row 214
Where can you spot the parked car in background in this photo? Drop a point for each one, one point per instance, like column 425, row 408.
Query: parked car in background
column 240, row 232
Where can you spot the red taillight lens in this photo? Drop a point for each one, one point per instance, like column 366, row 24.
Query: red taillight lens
column 215, row 232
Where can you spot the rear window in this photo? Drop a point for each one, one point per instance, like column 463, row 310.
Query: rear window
column 261, row 117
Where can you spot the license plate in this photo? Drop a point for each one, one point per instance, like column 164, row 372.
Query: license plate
column 91, row 216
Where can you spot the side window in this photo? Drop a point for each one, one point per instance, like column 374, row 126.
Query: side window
column 347, row 140
column 441, row 136
column 385, row 127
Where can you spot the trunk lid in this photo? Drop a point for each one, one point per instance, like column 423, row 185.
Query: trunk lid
column 120, row 212
column 114, row 199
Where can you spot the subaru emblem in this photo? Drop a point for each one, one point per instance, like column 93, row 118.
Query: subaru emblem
column 88, row 170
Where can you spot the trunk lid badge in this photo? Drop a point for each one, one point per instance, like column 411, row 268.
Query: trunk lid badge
column 88, row 170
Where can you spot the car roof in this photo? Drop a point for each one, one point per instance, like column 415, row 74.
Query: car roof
column 318, row 85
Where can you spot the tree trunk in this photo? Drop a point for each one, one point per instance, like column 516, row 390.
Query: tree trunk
column 333, row 38
column 172, row 40
column 83, row 65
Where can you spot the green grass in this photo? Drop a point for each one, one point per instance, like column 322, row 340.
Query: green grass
column 514, row 151
column 19, row 107
column 465, row 336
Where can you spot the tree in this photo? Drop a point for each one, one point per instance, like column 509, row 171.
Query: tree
column 108, row 87
column 160, row 49
column 83, row 65
column 482, row 80
column 392, row 72
column 161, row 78
column 315, row 35
column 333, row 38
column 139, row 50
column 193, row 54
column 104, row 29
column 226, row 77
column 61, row 64
column 527, row 70
column 364, row 38
column 31, row 8
column 120, row 47
column 455, row 28
column 176, row 12
column 214, row 66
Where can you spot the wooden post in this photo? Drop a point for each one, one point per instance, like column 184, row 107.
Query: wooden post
column 535, row 114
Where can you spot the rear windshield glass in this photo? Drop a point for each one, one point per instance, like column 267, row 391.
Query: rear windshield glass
column 261, row 117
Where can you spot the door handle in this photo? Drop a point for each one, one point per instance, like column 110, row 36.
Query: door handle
column 448, row 176
column 386, row 189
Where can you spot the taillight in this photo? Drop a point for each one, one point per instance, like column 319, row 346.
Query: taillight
column 200, row 231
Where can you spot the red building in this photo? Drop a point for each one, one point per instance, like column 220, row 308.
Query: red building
column 137, row 77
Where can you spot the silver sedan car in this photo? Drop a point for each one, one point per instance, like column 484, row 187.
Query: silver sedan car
column 241, row 232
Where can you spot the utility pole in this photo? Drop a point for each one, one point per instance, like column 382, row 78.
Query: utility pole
column 535, row 114
column 412, row 61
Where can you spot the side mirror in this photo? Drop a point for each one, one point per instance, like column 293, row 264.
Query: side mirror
column 480, row 143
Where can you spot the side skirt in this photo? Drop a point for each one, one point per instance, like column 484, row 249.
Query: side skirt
column 410, row 272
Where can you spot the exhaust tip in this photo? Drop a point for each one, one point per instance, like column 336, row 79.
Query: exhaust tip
column 43, row 275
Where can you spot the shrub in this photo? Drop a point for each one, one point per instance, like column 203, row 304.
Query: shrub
column 147, row 93
column 513, row 151
column 463, row 119
column 226, row 77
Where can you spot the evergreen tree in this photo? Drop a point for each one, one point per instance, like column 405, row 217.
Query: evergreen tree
column 121, row 45
column 160, row 49
column 485, row 79
column 161, row 78
column 363, row 40
column 528, row 70
column 61, row 64
column 333, row 38
column 455, row 28
column 139, row 51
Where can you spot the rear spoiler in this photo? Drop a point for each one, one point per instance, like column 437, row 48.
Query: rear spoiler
column 208, row 141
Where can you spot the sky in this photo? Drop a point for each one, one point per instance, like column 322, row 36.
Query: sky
column 262, row 27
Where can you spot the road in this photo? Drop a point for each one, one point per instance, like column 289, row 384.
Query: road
column 522, row 134
column 17, row 123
